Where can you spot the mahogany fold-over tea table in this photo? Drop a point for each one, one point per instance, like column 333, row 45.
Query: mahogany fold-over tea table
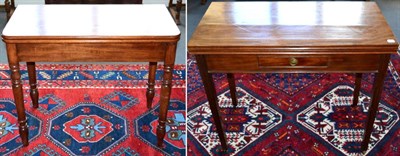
column 91, row 33
column 293, row 37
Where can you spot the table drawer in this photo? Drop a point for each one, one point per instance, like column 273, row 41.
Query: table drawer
column 292, row 63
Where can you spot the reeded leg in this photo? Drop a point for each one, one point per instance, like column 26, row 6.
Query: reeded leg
column 151, row 83
column 165, row 92
column 32, row 83
column 376, row 96
column 17, row 91
column 232, row 88
column 212, row 99
column 357, row 87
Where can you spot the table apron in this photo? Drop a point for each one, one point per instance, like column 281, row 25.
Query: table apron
column 91, row 52
column 354, row 63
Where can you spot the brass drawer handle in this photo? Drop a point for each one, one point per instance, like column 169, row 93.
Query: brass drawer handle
column 293, row 61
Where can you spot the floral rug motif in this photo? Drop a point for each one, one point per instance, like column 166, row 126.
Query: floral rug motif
column 92, row 110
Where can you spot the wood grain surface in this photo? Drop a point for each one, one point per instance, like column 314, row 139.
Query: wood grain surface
column 292, row 28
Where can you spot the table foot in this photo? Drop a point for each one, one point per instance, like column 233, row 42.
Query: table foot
column 160, row 133
column 24, row 132
column 34, row 93
column 150, row 84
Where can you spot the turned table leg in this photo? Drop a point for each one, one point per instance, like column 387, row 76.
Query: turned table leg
column 376, row 96
column 165, row 92
column 150, row 84
column 212, row 99
column 17, row 91
column 357, row 87
column 32, row 83
column 232, row 88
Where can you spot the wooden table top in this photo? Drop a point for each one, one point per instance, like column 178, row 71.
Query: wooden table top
column 91, row 21
column 292, row 28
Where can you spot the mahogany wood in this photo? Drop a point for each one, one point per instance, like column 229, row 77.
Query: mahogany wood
column 293, row 37
column 17, row 92
column 292, row 28
column 209, row 87
column 376, row 96
column 32, row 84
column 280, row 63
column 90, row 52
column 357, row 87
column 150, row 84
column 91, row 33
column 301, row 62
column 165, row 91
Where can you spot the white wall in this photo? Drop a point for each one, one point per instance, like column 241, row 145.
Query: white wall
column 42, row 1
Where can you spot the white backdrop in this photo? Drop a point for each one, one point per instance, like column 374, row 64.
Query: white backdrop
column 42, row 2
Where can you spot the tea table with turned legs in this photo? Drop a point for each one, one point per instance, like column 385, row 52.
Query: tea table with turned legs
column 91, row 33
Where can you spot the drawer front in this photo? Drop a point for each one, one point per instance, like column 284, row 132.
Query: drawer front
column 292, row 63
column 95, row 52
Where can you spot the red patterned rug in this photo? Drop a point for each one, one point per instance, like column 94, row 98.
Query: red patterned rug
column 92, row 110
column 294, row 114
